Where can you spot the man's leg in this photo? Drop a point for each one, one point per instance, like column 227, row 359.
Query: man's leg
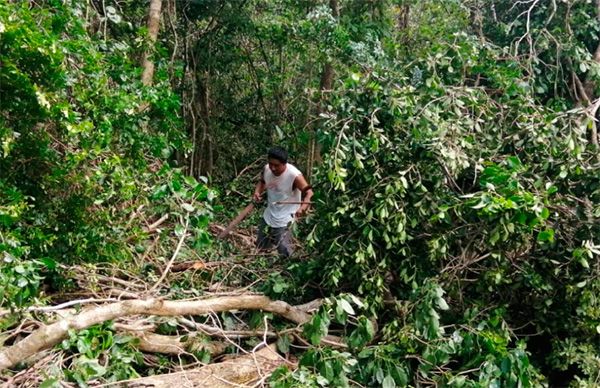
column 263, row 236
column 283, row 237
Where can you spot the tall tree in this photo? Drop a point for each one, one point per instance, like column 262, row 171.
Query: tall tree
column 153, row 27
column 325, row 85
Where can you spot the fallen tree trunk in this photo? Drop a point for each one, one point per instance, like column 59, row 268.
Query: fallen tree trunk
column 175, row 345
column 246, row 370
column 52, row 334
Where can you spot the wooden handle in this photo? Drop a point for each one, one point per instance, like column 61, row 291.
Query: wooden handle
column 291, row 203
column 236, row 221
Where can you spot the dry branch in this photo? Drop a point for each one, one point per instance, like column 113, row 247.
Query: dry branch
column 152, row 228
column 177, row 249
column 196, row 265
column 241, row 371
column 240, row 237
column 229, row 334
column 52, row 334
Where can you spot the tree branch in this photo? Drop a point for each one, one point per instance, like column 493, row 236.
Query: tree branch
column 240, row 371
column 52, row 334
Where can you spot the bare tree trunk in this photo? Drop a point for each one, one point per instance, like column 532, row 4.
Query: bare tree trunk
column 403, row 17
column 325, row 85
column 584, row 91
column 153, row 25
column 589, row 87
column 204, row 145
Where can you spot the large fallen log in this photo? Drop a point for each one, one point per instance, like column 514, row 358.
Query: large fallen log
column 242, row 371
column 50, row 335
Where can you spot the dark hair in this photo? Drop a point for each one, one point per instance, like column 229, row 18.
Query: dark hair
column 278, row 153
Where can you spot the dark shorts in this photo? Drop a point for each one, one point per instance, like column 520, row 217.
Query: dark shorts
column 268, row 237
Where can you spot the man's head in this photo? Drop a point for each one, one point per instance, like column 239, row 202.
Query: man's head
column 277, row 160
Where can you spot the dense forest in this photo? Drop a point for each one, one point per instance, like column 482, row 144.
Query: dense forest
column 453, row 238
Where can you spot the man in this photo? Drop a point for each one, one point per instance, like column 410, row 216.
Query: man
column 288, row 196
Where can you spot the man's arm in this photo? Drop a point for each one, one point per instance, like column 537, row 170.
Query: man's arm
column 259, row 189
column 301, row 184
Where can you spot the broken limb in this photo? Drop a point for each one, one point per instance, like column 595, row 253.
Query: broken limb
column 50, row 335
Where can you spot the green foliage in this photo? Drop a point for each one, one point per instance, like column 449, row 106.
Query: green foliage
column 84, row 149
column 331, row 369
column 276, row 285
column 100, row 352
column 553, row 40
column 451, row 194
column 19, row 281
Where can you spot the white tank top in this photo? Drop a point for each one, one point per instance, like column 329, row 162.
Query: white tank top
column 281, row 188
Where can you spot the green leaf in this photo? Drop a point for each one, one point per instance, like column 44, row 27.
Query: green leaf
column 283, row 343
column 346, row 306
column 480, row 205
column 388, row 382
column 51, row 383
column 442, row 304
column 357, row 301
column 187, row 207
column 278, row 288
column 48, row 262
column 546, row 235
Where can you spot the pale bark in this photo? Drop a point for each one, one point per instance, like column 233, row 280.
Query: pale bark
column 52, row 334
column 175, row 345
column 153, row 26
column 247, row 370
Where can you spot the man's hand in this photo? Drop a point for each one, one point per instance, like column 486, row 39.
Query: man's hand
column 257, row 197
column 300, row 212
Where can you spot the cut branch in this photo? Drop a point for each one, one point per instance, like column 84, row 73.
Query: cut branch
column 195, row 265
column 155, row 225
column 52, row 334
column 170, row 263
